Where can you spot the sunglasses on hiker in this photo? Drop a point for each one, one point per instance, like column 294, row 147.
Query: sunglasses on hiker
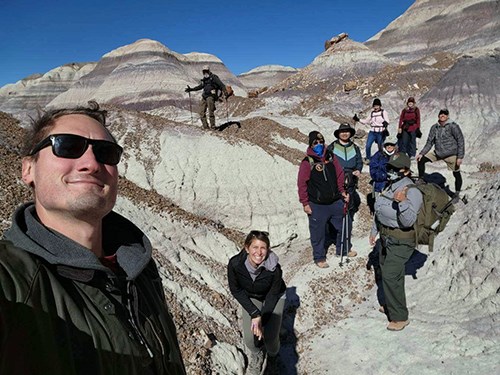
column 72, row 146
column 259, row 233
column 317, row 142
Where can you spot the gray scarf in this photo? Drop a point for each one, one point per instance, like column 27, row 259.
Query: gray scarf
column 269, row 264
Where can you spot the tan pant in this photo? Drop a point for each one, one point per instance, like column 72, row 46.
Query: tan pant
column 451, row 161
column 208, row 103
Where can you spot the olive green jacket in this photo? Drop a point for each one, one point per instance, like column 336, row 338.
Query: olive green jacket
column 63, row 312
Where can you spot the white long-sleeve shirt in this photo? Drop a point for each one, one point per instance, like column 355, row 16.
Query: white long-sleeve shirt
column 375, row 120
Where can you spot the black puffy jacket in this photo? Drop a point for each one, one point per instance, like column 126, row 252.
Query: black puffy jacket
column 267, row 287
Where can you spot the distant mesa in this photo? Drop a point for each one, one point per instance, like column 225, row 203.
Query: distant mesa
column 259, row 79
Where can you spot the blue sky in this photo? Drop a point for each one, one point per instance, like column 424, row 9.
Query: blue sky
column 37, row 36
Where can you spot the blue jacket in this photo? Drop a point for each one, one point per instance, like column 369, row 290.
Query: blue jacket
column 378, row 170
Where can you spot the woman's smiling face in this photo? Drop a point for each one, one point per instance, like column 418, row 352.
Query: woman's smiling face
column 257, row 252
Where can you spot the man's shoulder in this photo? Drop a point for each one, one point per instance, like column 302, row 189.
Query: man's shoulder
column 18, row 268
column 15, row 257
column 215, row 77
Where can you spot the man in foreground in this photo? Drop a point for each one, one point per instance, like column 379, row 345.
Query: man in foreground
column 79, row 291
column 396, row 209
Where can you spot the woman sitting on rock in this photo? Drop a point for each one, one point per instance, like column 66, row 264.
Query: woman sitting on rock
column 255, row 280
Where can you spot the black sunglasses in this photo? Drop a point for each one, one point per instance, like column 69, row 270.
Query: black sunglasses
column 317, row 142
column 72, row 146
column 259, row 233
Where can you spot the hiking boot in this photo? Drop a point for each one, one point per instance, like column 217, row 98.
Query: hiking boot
column 352, row 254
column 204, row 123
column 397, row 326
column 366, row 161
column 381, row 309
column 322, row 264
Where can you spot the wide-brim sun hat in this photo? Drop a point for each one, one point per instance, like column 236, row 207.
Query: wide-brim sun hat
column 344, row 127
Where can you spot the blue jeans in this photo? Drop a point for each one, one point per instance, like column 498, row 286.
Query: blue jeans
column 322, row 216
column 377, row 137
column 408, row 143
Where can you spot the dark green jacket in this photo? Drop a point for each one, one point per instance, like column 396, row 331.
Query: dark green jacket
column 63, row 312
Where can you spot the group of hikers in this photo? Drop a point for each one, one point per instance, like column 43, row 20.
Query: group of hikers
column 327, row 187
column 80, row 292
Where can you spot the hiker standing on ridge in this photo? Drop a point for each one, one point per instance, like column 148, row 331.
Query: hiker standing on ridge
column 212, row 88
column 321, row 190
column 349, row 157
column 79, row 290
column 256, row 281
column 449, row 145
column 396, row 209
column 378, row 121
column 409, row 128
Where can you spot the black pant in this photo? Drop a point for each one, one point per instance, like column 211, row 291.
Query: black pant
column 456, row 174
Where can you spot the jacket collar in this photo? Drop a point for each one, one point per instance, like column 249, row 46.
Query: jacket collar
column 120, row 236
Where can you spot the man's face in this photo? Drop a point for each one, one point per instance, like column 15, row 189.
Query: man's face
column 442, row 117
column 345, row 135
column 389, row 149
column 376, row 108
column 80, row 188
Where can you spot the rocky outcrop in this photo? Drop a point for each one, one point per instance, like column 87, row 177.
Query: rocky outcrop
column 469, row 271
column 344, row 61
column 207, row 181
column 143, row 76
column 428, row 26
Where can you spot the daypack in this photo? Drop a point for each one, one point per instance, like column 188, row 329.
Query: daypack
column 326, row 191
column 434, row 214
column 385, row 132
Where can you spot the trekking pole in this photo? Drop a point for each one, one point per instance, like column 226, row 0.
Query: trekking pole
column 190, row 107
column 347, row 236
column 343, row 236
column 227, row 110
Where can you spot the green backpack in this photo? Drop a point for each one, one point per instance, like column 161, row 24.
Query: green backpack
column 436, row 210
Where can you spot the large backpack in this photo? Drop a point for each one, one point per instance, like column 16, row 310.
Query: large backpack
column 434, row 214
